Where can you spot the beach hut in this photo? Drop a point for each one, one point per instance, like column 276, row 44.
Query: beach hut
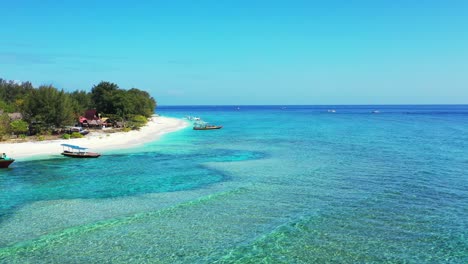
column 94, row 123
column 106, row 122
column 91, row 119
column 92, row 114
column 15, row 116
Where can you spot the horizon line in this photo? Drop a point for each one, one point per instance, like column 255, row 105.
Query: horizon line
column 238, row 105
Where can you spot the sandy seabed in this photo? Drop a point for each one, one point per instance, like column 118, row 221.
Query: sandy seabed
column 97, row 140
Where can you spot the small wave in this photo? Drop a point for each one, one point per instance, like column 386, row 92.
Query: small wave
column 56, row 239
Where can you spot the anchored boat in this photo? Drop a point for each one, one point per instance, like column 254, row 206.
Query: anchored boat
column 201, row 125
column 78, row 152
column 207, row 127
column 4, row 163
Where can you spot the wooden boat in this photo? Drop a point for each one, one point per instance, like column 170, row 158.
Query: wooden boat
column 207, row 127
column 78, row 152
column 4, row 163
column 202, row 125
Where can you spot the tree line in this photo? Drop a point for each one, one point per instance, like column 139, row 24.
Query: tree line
column 55, row 108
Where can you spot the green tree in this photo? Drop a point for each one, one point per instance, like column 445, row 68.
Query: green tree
column 144, row 104
column 19, row 127
column 102, row 97
column 4, row 125
column 137, row 121
column 80, row 102
column 7, row 107
column 109, row 99
column 49, row 106
column 122, row 104
column 11, row 91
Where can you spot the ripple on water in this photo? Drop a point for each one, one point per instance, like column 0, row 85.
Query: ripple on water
column 326, row 188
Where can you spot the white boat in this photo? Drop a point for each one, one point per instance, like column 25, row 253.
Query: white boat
column 193, row 118
column 78, row 152
column 201, row 125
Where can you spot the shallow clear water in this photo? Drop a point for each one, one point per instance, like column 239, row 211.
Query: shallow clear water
column 292, row 184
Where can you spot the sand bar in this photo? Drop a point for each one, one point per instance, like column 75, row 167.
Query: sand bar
column 97, row 140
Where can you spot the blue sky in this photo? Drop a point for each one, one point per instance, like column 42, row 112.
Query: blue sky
column 244, row 52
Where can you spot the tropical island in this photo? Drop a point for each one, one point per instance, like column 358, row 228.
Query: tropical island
column 30, row 115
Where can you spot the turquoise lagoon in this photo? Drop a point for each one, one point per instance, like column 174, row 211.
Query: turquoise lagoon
column 278, row 184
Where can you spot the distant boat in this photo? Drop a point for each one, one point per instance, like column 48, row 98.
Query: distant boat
column 376, row 112
column 205, row 126
column 192, row 118
column 78, row 152
column 331, row 111
column 4, row 163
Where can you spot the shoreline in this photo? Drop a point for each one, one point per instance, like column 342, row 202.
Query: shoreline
column 97, row 140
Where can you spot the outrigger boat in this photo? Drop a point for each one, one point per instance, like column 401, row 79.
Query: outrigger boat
column 205, row 126
column 78, row 152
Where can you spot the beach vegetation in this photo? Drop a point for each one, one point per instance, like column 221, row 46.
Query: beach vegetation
column 76, row 135
column 48, row 105
column 19, row 126
column 29, row 110
column 102, row 96
column 47, row 132
column 80, row 102
column 4, row 126
column 108, row 98
column 137, row 121
column 143, row 104
column 66, row 136
column 19, row 103
column 12, row 93
column 6, row 107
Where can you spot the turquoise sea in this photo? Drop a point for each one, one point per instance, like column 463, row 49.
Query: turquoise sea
column 278, row 184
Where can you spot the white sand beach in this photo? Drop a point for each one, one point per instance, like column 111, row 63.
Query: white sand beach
column 97, row 140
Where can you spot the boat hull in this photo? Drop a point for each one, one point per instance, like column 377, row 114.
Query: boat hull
column 81, row 155
column 207, row 128
column 5, row 163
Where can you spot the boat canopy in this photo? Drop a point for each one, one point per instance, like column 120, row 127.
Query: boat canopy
column 73, row 147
